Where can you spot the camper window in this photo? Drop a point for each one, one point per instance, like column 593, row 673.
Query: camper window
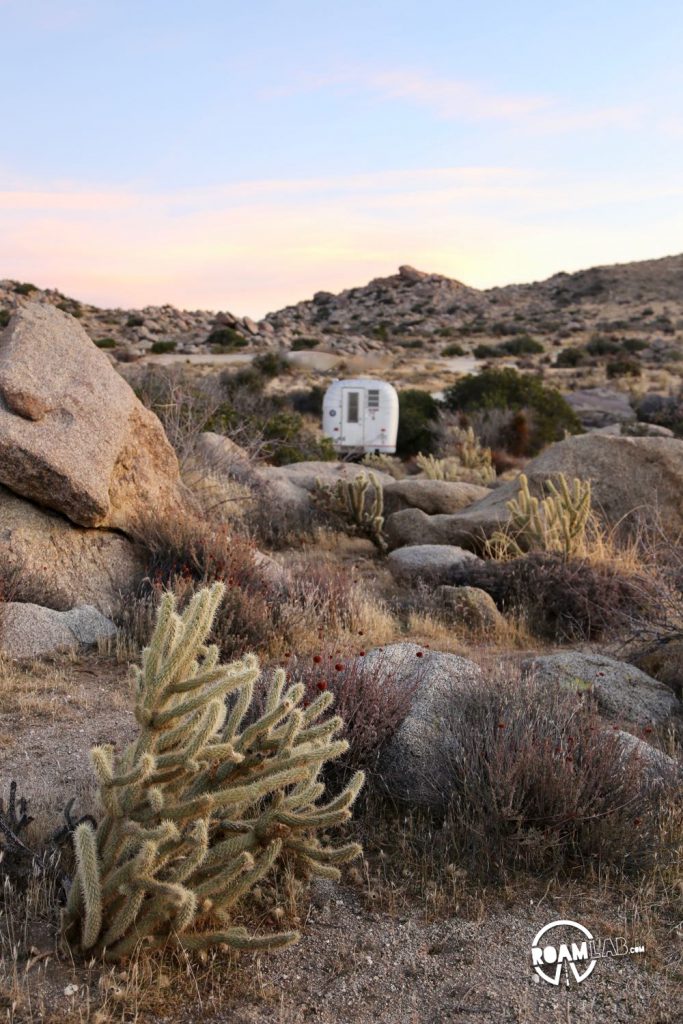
column 373, row 400
column 352, row 408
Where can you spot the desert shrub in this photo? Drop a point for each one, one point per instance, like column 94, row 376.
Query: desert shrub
column 302, row 344
column 201, row 806
column 106, row 342
column 487, row 352
column 411, row 343
column 454, row 349
column 4, row 317
column 371, row 708
column 24, row 288
column 271, row 365
column 634, row 345
column 565, row 599
column 158, row 348
column 550, row 414
column 571, row 357
column 623, row 367
column 225, row 339
column 538, row 783
column 135, row 320
column 308, row 402
column 599, row 345
column 522, row 344
column 264, row 609
column 186, row 406
column 417, row 416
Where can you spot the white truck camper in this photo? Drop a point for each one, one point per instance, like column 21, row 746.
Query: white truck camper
column 361, row 415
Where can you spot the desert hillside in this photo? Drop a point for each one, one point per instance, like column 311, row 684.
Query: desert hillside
column 410, row 307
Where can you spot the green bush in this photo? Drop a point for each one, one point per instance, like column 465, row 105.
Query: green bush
column 623, row 367
column 310, row 401
column 487, row 352
column 417, row 416
column 135, row 320
column 634, row 345
column 4, row 317
column 602, row 346
column 453, row 350
column 159, row 348
column 25, row 288
column 226, row 339
column 506, row 389
column 571, row 357
column 271, row 365
column 522, row 345
column 106, row 342
column 301, row 344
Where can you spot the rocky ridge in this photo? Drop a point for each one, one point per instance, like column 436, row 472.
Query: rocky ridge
column 409, row 309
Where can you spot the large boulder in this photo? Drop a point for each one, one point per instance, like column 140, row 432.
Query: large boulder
column 470, row 607
column 413, row 526
column 622, row 692
column 427, row 563
column 407, row 764
column 44, row 558
column 632, row 478
column 305, row 474
column 431, row 496
column 73, row 435
column 31, row 631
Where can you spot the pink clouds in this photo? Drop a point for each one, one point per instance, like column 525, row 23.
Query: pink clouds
column 255, row 246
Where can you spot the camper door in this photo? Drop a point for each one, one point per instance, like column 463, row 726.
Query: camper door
column 353, row 413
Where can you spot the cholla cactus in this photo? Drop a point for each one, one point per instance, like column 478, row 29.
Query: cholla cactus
column 359, row 508
column 471, row 463
column 558, row 522
column 201, row 807
column 389, row 464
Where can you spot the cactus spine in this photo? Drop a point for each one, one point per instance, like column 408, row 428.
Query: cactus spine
column 557, row 522
column 200, row 806
column 360, row 508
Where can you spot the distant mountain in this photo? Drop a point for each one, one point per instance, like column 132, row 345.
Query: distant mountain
column 408, row 309
column 414, row 304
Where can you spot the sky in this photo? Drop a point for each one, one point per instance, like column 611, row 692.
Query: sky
column 241, row 156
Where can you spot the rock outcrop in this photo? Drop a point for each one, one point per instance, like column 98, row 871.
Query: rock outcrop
column 46, row 560
column 427, row 563
column 31, row 631
column 73, row 435
column 431, row 496
column 623, row 692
